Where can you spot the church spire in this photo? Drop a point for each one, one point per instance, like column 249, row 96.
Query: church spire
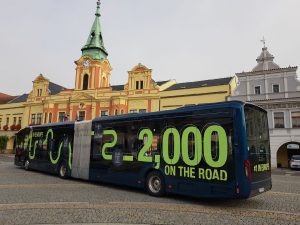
column 94, row 46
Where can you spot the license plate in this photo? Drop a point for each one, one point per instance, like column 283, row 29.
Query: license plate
column 260, row 190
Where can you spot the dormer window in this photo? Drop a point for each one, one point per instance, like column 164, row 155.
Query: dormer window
column 39, row 92
column 139, row 85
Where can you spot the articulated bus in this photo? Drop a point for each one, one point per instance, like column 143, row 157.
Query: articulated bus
column 219, row 150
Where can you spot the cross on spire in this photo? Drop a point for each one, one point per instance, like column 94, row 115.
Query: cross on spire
column 263, row 41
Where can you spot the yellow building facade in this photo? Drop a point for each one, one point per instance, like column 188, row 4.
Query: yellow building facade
column 94, row 96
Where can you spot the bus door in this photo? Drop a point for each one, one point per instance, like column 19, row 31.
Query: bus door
column 81, row 150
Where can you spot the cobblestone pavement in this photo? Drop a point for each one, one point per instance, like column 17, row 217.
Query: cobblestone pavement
column 28, row 197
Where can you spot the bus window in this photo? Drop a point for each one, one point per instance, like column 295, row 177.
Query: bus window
column 51, row 145
column 97, row 142
column 214, row 145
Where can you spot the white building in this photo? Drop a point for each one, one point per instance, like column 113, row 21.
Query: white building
column 277, row 90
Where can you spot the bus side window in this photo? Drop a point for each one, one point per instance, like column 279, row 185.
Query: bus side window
column 97, row 145
column 51, row 145
column 97, row 142
column 40, row 144
column 214, row 145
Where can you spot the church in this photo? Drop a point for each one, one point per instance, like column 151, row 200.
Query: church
column 94, row 96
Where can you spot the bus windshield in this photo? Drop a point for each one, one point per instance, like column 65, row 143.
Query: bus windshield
column 258, row 142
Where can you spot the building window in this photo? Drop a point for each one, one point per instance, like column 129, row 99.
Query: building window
column 104, row 113
column 61, row 116
column 0, row 122
column 122, row 111
column 32, row 119
column 116, row 112
column 81, row 115
column 85, row 82
column 257, row 90
column 45, row 118
column 275, row 88
column 50, row 118
column 136, row 85
column 132, row 111
column 15, row 121
column 296, row 119
column 39, row 118
column 142, row 110
column 278, row 119
column 142, row 85
column 20, row 120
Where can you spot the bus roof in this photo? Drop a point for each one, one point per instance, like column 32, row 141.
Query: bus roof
column 218, row 105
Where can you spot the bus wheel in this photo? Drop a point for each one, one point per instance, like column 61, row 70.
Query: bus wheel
column 62, row 170
column 26, row 164
column 155, row 184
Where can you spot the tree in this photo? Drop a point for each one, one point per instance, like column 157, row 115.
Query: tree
column 3, row 143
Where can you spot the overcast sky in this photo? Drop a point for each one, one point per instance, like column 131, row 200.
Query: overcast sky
column 186, row 40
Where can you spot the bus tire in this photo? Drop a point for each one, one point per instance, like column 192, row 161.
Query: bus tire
column 62, row 170
column 26, row 164
column 155, row 184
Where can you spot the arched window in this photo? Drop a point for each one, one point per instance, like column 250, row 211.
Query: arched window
column 85, row 82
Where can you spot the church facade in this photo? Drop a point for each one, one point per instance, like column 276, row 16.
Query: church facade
column 277, row 90
column 94, row 96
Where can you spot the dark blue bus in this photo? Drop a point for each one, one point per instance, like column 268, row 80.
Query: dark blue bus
column 219, row 150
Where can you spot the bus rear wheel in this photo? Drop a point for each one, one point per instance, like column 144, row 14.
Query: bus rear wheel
column 155, row 184
column 62, row 170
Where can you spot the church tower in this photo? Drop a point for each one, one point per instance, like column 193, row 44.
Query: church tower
column 93, row 68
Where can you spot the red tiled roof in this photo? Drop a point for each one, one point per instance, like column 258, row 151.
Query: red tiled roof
column 4, row 98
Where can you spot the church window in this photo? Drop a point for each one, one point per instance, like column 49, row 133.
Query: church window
column 257, row 90
column 104, row 113
column 296, row 119
column 142, row 85
column 136, row 85
column 32, row 119
column 50, row 118
column 45, row 118
column 61, row 116
column 39, row 92
column 85, row 82
column 81, row 115
column 133, row 111
column 278, row 119
column 39, row 118
column 275, row 88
